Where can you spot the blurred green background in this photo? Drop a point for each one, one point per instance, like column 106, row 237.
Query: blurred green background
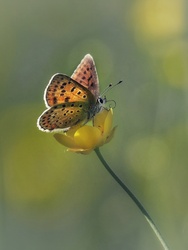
column 51, row 199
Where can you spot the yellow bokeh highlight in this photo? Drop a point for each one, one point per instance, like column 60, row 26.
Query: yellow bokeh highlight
column 36, row 172
column 174, row 64
column 159, row 19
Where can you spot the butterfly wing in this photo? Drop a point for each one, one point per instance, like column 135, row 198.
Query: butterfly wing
column 64, row 116
column 63, row 89
column 86, row 75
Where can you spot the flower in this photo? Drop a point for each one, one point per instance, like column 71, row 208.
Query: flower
column 88, row 137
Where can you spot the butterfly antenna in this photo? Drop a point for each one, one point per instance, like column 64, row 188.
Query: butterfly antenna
column 109, row 87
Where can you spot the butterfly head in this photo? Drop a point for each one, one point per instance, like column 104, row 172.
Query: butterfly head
column 102, row 100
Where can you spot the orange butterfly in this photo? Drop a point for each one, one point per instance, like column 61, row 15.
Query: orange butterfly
column 71, row 101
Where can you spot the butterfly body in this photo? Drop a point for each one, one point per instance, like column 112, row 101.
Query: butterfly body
column 71, row 101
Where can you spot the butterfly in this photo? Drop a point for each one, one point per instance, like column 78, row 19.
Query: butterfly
column 71, row 101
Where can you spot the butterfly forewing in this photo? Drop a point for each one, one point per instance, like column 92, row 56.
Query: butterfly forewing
column 86, row 75
column 63, row 116
column 62, row 88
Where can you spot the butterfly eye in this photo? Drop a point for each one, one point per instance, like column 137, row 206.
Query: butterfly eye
column 101, row 100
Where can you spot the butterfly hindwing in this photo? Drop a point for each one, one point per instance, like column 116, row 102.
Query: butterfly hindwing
column 86, row 75
column 63, row 116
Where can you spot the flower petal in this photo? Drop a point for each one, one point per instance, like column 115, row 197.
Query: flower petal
column 108, row 123
column 81, row 151
column 65, row 140
column 100, row 118
column 87, row 137
column 110, row 136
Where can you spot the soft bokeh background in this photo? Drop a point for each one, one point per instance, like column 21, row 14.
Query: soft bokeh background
column 51, row 199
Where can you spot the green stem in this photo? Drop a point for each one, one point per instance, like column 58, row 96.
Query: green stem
column 133, row 197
